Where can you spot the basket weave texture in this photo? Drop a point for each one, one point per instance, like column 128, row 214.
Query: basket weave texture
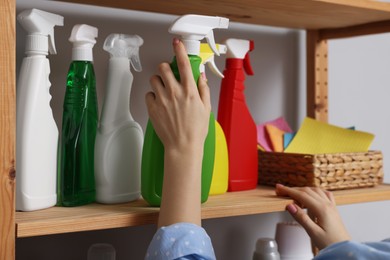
column 328, row 171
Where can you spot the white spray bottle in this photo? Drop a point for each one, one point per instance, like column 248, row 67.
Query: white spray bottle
column 36, row 130
column 119, row 139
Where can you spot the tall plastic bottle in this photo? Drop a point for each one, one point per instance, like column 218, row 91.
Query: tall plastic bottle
column 36, row 130
column 219, row 182
column 235, row 118
column 76, row 182
column 192, row 29
column 119, row 139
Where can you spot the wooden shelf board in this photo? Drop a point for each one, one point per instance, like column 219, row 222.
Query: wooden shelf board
column 302, row 14
column 57, row 220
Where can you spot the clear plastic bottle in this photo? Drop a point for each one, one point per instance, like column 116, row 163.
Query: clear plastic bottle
column 119, row 139
column 76, row 180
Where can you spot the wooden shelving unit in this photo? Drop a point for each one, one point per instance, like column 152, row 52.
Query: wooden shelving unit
column 322, row 19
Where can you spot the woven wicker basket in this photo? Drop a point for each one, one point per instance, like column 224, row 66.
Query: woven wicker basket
column 329, row 171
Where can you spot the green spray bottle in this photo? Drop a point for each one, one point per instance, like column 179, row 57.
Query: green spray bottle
column 192, row 29
column 76, row 180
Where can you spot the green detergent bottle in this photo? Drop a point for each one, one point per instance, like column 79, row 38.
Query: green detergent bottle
column 192, row 29
column 76, row 180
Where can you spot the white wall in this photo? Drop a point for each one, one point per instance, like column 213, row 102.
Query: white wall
column 277, row 88
column 359, row 79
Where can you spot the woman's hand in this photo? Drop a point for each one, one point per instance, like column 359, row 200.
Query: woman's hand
column 324, row 225
column 179, row 111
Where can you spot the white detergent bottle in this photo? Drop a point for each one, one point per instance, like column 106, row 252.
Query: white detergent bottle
column 36, row 130
column 119, row 140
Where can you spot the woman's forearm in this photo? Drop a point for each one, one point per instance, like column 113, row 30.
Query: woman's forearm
column 182, row 186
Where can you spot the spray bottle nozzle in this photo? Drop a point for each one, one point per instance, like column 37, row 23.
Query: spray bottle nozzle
column 83, row 34
column 125, row 46
column 193, row 28
column 239, row 49
column 40, row 23
column 83, row 39
column 207, row 56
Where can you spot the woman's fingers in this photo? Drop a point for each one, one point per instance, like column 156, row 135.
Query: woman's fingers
column 204, row 92
column 157, row 86
column 303, row 196
column 330, row 196
column 167, row 78
column 302, row 218
column 183, row 64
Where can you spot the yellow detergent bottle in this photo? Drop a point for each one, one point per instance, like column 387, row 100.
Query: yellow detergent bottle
column 219, row 182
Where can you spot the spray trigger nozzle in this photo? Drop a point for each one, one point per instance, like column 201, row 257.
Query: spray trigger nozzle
column 83, row 35
column 207, row 56
column 125, row 46
column 239, row 49
column 40, row 23
column 193, row 28
column 210, row 40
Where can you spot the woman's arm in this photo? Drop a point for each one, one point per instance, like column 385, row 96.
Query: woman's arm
column 180, row 113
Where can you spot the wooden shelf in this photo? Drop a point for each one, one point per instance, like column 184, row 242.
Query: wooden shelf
column 302, row 14
column 59, row 220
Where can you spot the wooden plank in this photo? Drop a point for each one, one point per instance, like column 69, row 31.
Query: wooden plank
column 7, row 130
column 317, row 76
column 59, row 220
column 357, row 30
column 303, row 14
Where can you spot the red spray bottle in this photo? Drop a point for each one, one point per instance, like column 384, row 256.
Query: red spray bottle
column 235, row 118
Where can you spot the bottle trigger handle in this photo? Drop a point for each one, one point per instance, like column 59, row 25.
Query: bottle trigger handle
column 214, row 68
column 210, row 40
column 135, row 60
column 247, row 64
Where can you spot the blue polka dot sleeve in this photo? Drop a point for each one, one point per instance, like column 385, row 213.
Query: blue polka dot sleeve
column 350, row 250
column 180, row 241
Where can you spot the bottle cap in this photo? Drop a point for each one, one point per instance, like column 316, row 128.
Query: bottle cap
column 266, row 249
column 40, row 27
column 83, row 39
column 239, row 49
column 124, row 46
column 193, row 28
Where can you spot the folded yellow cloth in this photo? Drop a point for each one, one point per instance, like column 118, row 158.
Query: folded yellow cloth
column 315, row 137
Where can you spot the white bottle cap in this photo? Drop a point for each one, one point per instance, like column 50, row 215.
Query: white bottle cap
column 193, row 28
column 124, row 46
column 83, row 39
column 40, row 28
column 237, row 48
column 266, row 249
